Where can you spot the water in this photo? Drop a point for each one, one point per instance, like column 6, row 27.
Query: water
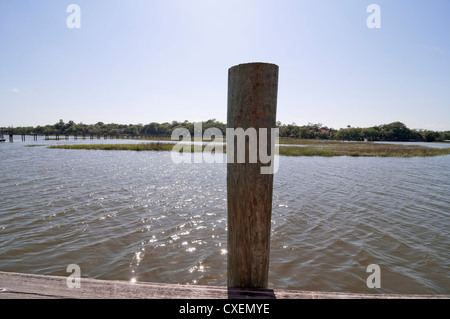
column 138, row 216
column 436, row 144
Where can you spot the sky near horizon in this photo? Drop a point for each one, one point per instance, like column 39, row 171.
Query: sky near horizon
column 143, row 61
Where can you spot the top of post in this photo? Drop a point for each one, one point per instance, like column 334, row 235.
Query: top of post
column 254, row 64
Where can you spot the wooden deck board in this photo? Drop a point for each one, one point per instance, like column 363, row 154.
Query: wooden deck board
column 28, row 286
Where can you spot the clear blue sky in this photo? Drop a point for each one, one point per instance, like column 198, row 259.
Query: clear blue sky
column 139, row 61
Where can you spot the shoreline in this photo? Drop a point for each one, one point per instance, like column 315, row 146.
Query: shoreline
column 305, row 148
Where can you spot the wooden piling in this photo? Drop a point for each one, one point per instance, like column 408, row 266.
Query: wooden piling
column 252, row 102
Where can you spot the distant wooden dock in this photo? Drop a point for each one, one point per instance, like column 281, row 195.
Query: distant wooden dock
column 28, row 286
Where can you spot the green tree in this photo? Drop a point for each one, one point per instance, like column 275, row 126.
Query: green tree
column 431, row 136
column 59, row 127
column 397, row 131
column 371, row 133
column 350, row 134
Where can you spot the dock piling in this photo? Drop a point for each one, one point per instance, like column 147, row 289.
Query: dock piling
column 252, row 102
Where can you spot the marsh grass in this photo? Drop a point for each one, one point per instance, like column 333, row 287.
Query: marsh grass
column 336, row 148
column 320, row 148
column 284, row 140
column 125, row 147
column 118, row 147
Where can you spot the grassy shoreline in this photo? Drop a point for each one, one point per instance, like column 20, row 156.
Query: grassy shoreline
column 118, row 147
column 305, row 148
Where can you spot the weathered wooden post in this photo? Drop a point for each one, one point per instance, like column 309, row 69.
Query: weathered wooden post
column 252, row 103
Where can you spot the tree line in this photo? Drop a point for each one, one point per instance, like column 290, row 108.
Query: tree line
column 395, row 131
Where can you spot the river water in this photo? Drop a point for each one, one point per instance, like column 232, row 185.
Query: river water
column 138, row 216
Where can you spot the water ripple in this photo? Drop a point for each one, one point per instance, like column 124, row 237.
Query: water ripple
column 137, row 216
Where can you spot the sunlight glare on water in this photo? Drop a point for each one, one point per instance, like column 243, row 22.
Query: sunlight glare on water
column 137, row 216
